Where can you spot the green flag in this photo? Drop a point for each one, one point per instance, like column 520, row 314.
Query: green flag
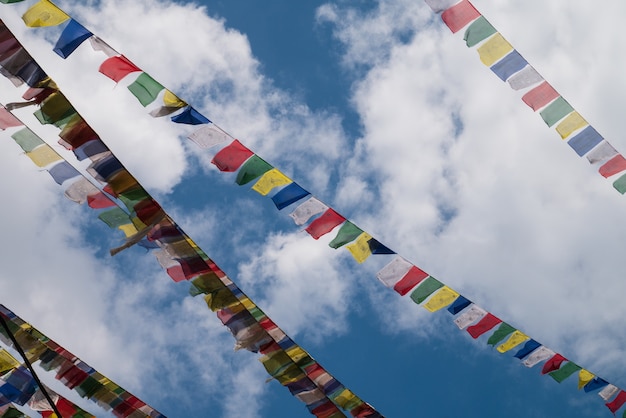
column 347, row 233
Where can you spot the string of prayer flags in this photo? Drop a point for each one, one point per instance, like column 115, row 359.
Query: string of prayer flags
column 72, row 36
column 44, row 13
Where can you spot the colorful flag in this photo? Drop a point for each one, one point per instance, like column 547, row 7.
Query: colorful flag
column 444, row 297
column 469, row 316
column 540, row 96
column 525, row 78
column 62, row 172
column 360, row 248
column 44, row 13
column 72, row 36
column 595, row 384
column 537, row 356
column 585, row 140
column 145, row 89
column 584, row 377
column 118, row 67
column 7, row 362
column 573, row 122
column 425, row 289
column 459, row 15
column 324, row 224
column 270, row 180
column 7, row 120
column 601, row 153
column 288, row 195
column 80, row 191
column 556, row 111
column 565, row 371
column 98, row 44
column 43, row 155
column 412, row 278
column 553, row 363
column 459, row 304
column 494, row 49
column 486, row 323
column 231, row 157
column 253, row 168
column 608, row 392
column 615, row 165
column 394, row 271
column 27, row 139
column 513, row 341
column 617, row 403
column 347, row 233
column 509, row 65
column 208, row 136
column 377, row 248
column 190, row 116
column 620, row 184
column 501, row 333
column 478, row 31
column 307, row 210
column 99, row 200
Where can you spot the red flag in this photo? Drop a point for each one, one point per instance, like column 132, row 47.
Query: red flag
column 116, row 68
column 553, row 364
column 232, row 156
column 485, row 324
column 325, row 223
column 540, row 96
column 99, row 201
column 459, row 15
column 615, row 165
column 617, row 402
column 411, row 279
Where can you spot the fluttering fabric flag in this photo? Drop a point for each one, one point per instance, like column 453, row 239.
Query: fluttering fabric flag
column 553, row 363
column 80, row 191
column 347, row 233
column 325, row 223
column 525, row 78
column 408, row 281
column 500, row 334
column 608, row 392
column 470, row 315
column 509, row 65
column 360, row 248
column 459, row 304
column 478, row 31
column 513, row 341
column 43, row 156
column 444, row 297
column 459, row 15
column 613, row 166
column 208, row 136
column 118, row 67
column 573, row 122
column 376, row 247
column 556, row 111
column 27, row 139
column 584, row 377
column 620, row 184
column 585, row 140
column 601, row 153
column 98, row 44
column 72, row 36
column 425, row 289
column 44, row 13
column 565, row 371
column 289, row 194
column 307, row 210
column 145, row 89
column 190, row 116
column 62, row 172
column 252, row 169
column 537, row 356
column 7, row 120
column 494, row 49
column 486, row 323
column 595, row 384
column 617, row 403
column 7, row 362
column 540, row 96
column 231, row 157
column 270, row 180
column 394, row 271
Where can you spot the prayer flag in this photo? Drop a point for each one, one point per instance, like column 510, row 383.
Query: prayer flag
column 190, row 116
column 288, row 195
column 270, row 180
column 394, row 271
column 459, row 15
column 540, row 96
column 617, row 403
column 145, row 89
column 501, row 333
column 620, row 184
column 444, row 297
column 469, row 316
column 440, row 5
column 486, row 323
column 80, row 191
column 172, row 100
column 62, row 172
column 91, row 149
column 601, row 153
column 114, row 218
column 27, row 139
column 565, row 371
column 459, row 304
column 425, row 289
column 231, row 157
column 537, row 356
column 7, row 120
column 553, row 363
column 307, row 210
column 525, row 78
column 573, row 122
column 615, row 165
column 72, row 36
column 7, row 362
column 44, row 13
column 43, row 155
column 509, row 65
column 360, row 248
column 324, row 224
column 478, row 31
column 493, row 49
column 208, row 136
column 556, row 111
column 99, row 200
column 118, row 67
column 608, row 392
column 513, row 341
column 98, row 44
column 412, row 278
column 584, row 377
column 595, row 384
column 347, row 233
column 585, row 140
column 252, row 169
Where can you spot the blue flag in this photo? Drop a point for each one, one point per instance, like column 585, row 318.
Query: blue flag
column 72, row 36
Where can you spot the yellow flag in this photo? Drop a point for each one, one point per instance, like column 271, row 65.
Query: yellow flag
column 43, row 155
column 7, row 362
column 247, row 303
column 494, row 49
column 584, row 377
column 360, row 248
column 129, row 230
column 171, row 100
column 514, row 340
column 570, row 124
column 441, row 299
column 345, row 398
column 269, row 180
column 296, row 353
column 44, row 13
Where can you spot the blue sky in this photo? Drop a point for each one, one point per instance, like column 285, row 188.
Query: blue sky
column 381, row 112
